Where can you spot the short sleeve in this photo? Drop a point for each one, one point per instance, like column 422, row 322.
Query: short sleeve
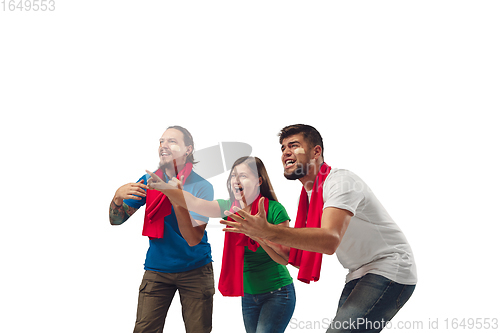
column 203, row 190
column 138, row 203
column 276, row 213
column 342, row 191
column 223, row 206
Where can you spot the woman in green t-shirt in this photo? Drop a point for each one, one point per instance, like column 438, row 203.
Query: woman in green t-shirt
column 268, row 300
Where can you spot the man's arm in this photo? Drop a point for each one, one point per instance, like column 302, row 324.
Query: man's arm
column 334, row 223
column 272, row 254
column 191, row 230
column 277, row 252
column 119, row 212
column 173, row 190
column 281, row 250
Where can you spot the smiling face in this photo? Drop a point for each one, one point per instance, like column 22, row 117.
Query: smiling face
column 245, row 183
column 295, row 156
column 172, row 147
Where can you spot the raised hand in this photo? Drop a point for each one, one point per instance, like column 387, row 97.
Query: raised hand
column 176, row 183
column 156, row 183
column 254, row 226
column 134, row 191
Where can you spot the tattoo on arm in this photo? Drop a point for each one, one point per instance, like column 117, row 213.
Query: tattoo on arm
column 120, row 214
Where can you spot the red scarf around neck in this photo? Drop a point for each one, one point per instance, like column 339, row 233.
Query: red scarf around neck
column 158, row 206
column 231, row 275
column 309, row 216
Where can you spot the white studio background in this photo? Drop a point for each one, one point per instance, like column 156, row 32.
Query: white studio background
column 404, row 94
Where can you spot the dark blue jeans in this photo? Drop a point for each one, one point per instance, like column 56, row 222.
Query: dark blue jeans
column 269, row 312
column 368, row 303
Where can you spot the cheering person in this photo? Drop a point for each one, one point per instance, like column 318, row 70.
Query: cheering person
column 253, row 268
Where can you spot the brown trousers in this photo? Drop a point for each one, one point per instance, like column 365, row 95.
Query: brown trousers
column 196, row 290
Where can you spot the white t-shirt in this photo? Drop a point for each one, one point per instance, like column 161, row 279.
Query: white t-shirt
column 372, row 243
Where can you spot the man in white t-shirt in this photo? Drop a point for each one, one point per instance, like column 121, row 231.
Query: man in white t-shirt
column 354, row 225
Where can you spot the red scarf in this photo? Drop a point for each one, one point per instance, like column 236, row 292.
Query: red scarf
column 231, row 275
column 309, row 216
column 158, row 206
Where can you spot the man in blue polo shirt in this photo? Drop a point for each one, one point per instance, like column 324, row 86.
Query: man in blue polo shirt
column 180, row 258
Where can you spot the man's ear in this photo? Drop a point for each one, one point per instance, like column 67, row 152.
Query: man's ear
column 317, row 151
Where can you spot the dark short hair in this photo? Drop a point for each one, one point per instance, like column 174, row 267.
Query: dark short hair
column 310, row 134
column 188, row 141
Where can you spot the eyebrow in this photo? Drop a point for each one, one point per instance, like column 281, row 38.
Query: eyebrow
column 290, row 143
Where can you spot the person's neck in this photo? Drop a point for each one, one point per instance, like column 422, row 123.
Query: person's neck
column 308, row 180
column 246, row 205
column 170, row 170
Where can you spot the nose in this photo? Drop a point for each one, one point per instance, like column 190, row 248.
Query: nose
column 165, row 145
column 286, row 152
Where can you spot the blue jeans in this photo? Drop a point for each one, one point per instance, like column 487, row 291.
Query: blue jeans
column 368, row 303
column 269, row 312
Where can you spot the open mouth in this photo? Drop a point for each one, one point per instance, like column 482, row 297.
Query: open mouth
column 289, row 163
column 238, row 189
column 165, row 153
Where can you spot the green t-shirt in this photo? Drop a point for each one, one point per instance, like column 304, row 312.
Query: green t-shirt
column 261, row 274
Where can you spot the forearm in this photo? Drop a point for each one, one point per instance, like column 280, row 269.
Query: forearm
column 192, row 203
column 273, row 254
column 282, row 251
column 118, row 213
column 310, row 239
column 178, row 197
column 188, row 227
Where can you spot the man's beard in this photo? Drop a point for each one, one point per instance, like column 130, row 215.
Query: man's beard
column 166, row 165
column 299, row 172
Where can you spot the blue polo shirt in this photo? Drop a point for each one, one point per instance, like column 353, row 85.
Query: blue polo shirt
column 172, row 254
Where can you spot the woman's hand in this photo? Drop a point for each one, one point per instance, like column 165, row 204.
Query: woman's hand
column 156, row 183
column 174, row 182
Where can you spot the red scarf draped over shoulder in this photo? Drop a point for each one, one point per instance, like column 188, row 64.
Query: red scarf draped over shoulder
column 158, row 206
column 309, row 216
column 231, row 275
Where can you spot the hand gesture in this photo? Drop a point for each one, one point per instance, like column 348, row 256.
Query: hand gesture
column 156, row 183
column 258, row 239
column 176, row 183
column 134, row 191
column 254, row 226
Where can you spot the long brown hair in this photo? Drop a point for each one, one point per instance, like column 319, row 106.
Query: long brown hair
column 254, row 163
column 188, row 141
